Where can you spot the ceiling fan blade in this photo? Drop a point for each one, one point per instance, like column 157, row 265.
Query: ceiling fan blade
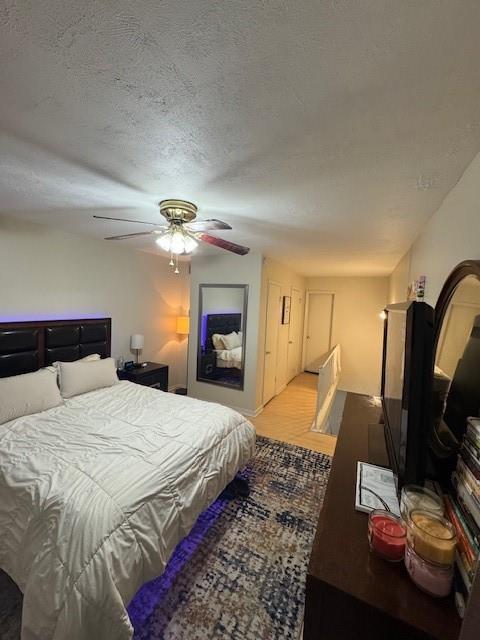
column 130, row 235
column 152, row 224
column 208, row 225
column 223, row 244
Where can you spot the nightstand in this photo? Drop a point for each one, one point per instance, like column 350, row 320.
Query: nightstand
column 208, row 365
column 153, row 375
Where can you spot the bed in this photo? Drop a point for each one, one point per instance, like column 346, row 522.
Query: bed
column 229, row 358
column 96, row 493
column 223, row 324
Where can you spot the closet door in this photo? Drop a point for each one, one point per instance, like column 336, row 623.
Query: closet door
column 271, row 340
column 318, row 338
column 295, row 335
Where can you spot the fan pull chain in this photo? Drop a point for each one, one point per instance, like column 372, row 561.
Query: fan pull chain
column 171, row 263
column 176, row 265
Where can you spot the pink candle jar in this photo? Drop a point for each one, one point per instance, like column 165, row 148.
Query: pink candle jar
column 386, row 535
column 435, row 579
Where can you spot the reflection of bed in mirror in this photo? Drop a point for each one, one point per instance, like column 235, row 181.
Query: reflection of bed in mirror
column 222, row 319
column 223, row 338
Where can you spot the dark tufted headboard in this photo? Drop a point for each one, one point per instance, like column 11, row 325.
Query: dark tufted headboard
column 28, row 346
column 223, row 323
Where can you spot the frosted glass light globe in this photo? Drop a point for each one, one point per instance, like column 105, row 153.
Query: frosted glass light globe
column 190, row 244
column 164, row 241
column 177, row 243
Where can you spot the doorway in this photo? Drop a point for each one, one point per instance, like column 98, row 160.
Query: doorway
column 274, row 300
column 294, row 356
column 318, row 329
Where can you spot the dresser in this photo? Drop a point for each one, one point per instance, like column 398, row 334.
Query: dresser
column 350, row 593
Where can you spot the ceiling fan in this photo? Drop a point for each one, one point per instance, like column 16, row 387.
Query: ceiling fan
column 182, row 232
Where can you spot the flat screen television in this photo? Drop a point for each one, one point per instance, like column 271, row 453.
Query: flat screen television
column 406, row 388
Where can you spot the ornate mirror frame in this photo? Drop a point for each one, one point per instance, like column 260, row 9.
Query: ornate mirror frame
column 461, row 271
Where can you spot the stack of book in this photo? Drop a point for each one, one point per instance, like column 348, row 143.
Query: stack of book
column 463, row 510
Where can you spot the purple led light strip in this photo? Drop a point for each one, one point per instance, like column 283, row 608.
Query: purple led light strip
column 150, row 597
column 30, row 317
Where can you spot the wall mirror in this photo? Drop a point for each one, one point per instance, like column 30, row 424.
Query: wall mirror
column 456, row 380
column 222, row 322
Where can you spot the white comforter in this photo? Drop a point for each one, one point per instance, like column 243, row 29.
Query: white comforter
column 95, row 495
column 229, row 358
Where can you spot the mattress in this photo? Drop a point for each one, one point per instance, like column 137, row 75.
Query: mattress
column 229, row 358
column 96, row 494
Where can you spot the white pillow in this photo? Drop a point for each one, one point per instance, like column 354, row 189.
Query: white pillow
column 232, row 340
column 28, row 393
column 91, row 358
column 55, row 366
column 217, row 340
column 82, row 376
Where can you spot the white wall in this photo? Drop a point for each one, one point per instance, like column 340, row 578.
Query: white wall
column 357, row 327
column 399, row 280
column 227, row 269
column 48, row 274
column 451, row 235
column 221, row 300
column 287, row 279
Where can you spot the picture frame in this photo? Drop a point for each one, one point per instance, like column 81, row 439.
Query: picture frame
column 286, row 304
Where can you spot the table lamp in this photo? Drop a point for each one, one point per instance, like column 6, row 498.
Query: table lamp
column 136, row 344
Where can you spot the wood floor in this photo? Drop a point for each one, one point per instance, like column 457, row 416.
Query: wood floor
column 288, row 417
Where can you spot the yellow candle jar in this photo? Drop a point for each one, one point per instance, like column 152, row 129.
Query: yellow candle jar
column 431, row 537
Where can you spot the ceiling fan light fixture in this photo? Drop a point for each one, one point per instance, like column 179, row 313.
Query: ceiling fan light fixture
column 177, row 241
column 183, row 232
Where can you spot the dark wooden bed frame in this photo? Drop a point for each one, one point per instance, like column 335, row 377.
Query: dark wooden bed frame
column 30, row 345
column 223, row 323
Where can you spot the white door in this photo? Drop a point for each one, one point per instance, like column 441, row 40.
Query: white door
column 318, row 328
column 295, row 335
column 271, row 341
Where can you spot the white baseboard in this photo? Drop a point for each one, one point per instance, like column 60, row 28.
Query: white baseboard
column 258, row 411
column 245, row 412
column 174, row 387
column 282, row 388
column 248, row 412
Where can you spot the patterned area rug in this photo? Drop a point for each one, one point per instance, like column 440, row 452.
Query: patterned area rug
column 240, row 574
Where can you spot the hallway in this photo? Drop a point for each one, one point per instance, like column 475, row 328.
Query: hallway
column 288, row 417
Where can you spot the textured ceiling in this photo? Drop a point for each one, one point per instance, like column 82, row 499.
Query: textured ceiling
column 325, row 132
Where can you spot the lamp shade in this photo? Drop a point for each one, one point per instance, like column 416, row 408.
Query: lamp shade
column 136, row 341
column 183, row 325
